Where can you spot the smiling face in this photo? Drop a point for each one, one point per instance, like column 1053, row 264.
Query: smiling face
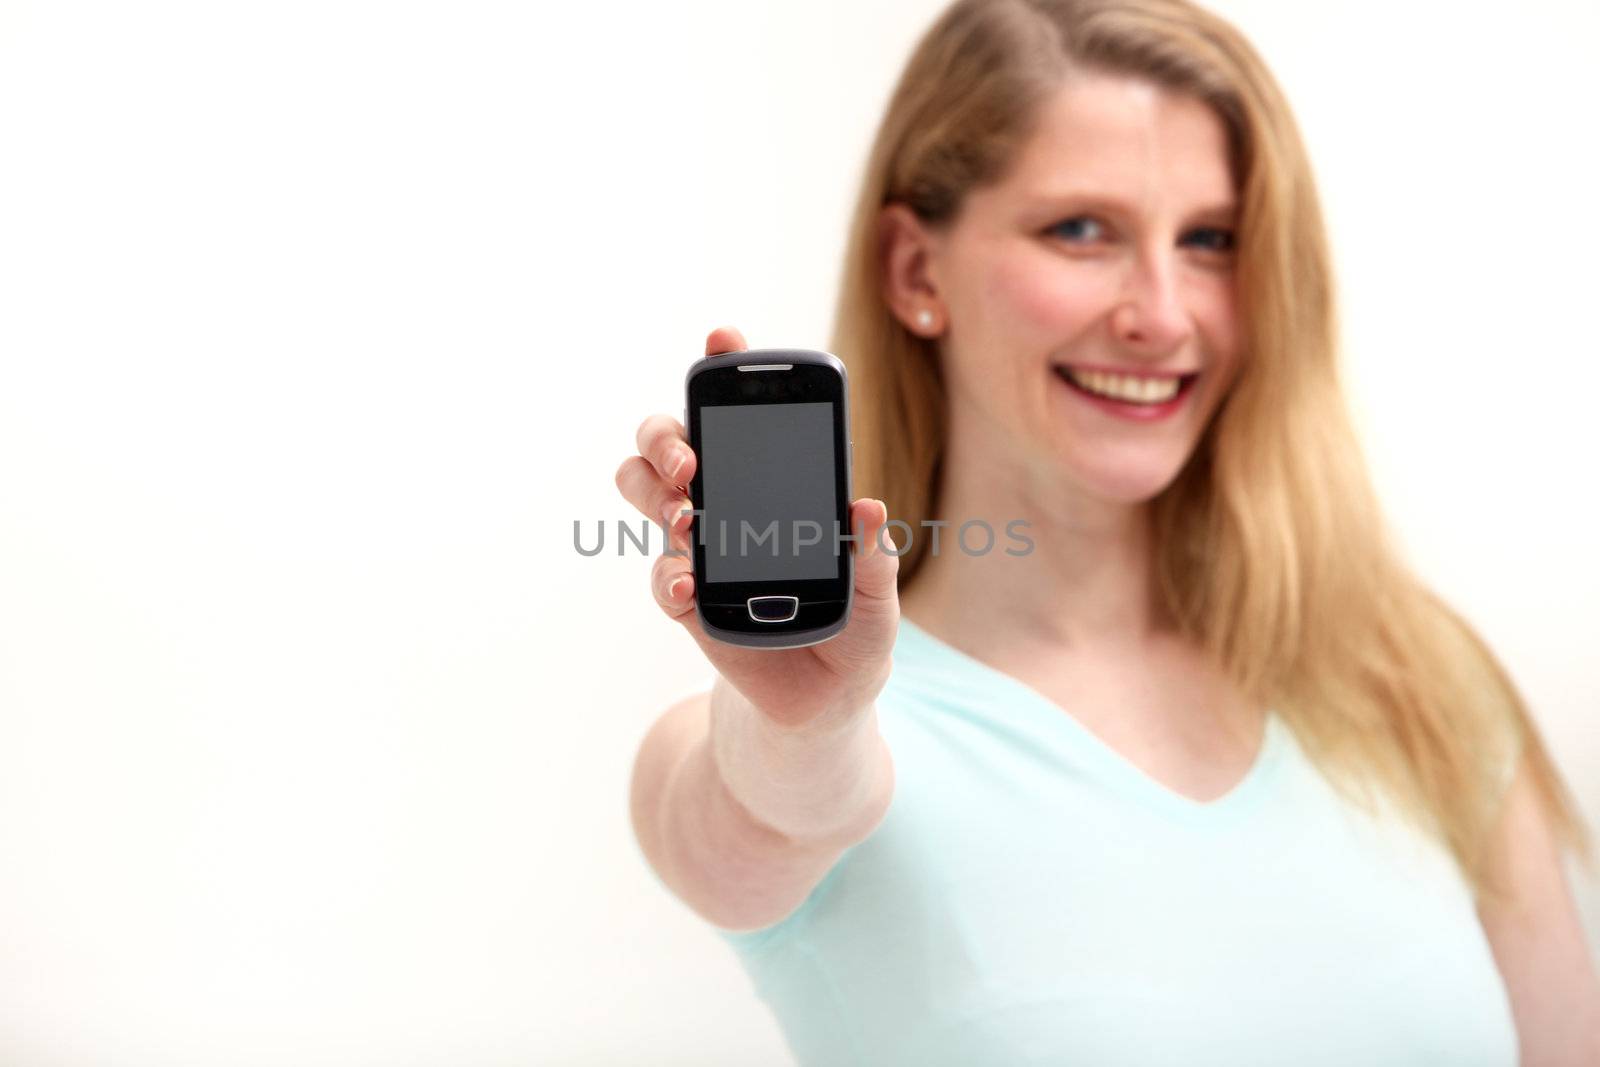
column 1101, row 264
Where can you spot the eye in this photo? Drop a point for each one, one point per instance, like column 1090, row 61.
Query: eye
column 1210, row 238
column 1078, row 228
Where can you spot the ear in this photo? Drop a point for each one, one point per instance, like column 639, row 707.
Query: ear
column 907, row 250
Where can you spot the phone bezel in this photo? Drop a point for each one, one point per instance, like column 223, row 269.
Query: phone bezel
column 811, row 377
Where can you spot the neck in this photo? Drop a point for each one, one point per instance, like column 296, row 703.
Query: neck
column 1088, row 582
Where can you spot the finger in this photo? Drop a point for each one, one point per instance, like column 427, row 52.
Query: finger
column 672, row 582
column 725, row 339
column 661, row 440
column 676, row 515
column 655, row 499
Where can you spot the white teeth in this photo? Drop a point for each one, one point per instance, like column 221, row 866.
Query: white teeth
column 1125, row 387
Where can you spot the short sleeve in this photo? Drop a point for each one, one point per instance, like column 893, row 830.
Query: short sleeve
column 751, row 941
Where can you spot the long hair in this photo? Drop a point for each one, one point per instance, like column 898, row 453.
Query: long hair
column 1271, row 551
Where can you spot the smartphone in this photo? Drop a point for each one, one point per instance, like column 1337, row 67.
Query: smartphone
column 771, row 496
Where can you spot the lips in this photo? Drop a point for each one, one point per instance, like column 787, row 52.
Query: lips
column 1137, row 408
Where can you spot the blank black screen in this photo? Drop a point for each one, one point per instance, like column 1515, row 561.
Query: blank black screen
column 763, row 464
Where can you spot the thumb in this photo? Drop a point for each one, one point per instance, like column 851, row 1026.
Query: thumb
column 876, row 564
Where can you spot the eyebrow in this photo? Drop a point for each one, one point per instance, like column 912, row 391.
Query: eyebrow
column 1113, row 206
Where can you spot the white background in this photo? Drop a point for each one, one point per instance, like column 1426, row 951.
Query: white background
column 321, row 323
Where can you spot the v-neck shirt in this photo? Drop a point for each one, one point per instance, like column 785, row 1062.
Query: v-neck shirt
column 1034, row 897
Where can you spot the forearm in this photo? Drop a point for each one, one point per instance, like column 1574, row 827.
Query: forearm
column 822, row 792
column 829, row 782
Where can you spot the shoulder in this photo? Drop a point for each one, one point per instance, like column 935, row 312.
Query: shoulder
column 1531, row 921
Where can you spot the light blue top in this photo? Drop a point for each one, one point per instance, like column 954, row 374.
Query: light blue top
column 1032, row 897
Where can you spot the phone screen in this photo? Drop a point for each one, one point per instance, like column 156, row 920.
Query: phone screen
column 769, row 494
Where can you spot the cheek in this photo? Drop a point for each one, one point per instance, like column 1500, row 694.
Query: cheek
column 1219, row 318
column 1041, row 295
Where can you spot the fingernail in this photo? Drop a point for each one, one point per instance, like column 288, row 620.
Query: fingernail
column 672, row 590
column 670, row 513
column 678, row 464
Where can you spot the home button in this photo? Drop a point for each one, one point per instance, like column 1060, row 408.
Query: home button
column 773, row 608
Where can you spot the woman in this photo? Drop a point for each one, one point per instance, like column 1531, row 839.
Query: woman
column 1209, row 776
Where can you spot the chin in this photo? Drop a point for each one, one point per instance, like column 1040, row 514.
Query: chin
column 1126, row 482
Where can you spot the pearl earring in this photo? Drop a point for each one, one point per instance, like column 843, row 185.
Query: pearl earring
column 925, row 318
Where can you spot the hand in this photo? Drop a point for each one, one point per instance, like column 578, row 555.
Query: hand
column 794, row 688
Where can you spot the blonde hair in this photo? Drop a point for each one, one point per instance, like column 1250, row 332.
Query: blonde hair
column 1271, row 549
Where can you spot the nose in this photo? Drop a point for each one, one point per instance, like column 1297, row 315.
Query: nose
column 1150, row 319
